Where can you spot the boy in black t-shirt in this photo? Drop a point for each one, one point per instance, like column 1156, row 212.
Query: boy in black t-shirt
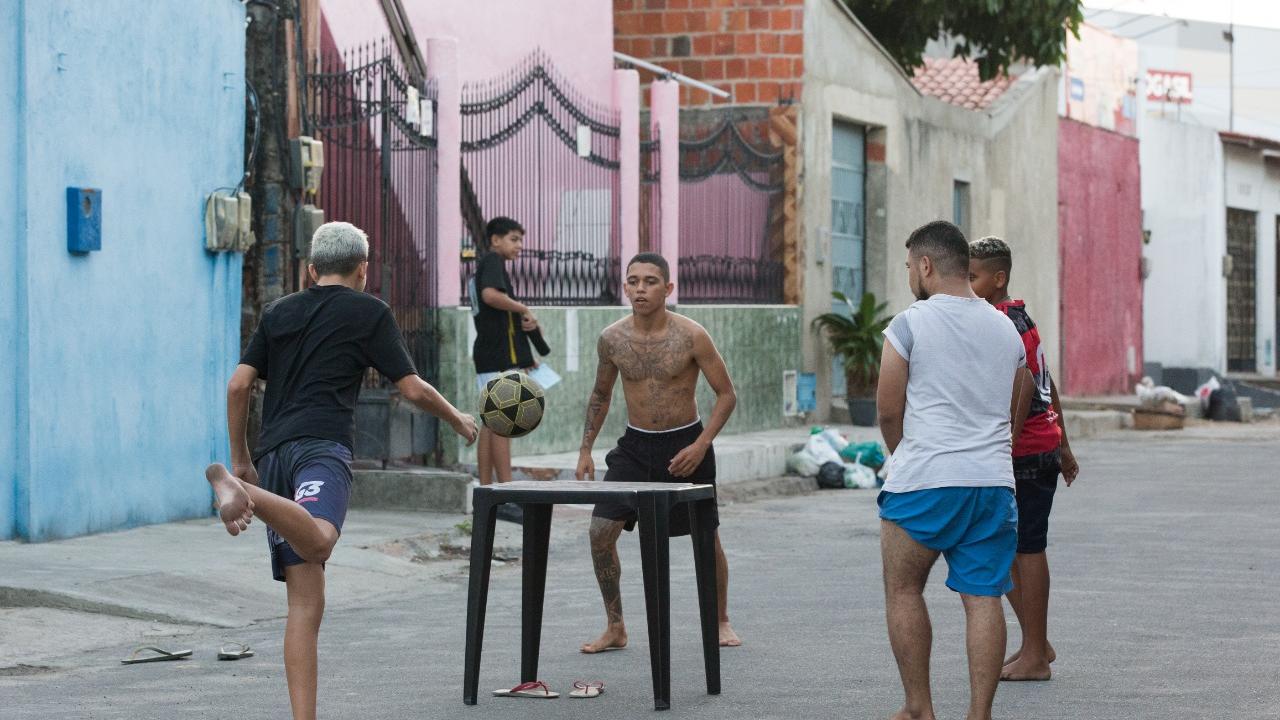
column 313, row 348
column 502, row 343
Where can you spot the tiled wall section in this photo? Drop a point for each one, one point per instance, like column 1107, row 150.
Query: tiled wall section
column 757, row 342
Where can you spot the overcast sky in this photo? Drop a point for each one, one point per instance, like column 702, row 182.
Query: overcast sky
column 1260, row 13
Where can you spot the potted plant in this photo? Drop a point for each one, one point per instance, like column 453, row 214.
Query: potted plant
column 857, row 339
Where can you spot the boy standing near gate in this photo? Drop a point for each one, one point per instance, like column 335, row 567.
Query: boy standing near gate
column 1040, row 452
column 502, row 343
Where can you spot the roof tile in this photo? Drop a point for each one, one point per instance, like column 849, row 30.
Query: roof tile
column 956, row 81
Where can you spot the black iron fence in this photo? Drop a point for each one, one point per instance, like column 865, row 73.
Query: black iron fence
column 731, row 228
column 380, row 175
column 651, row 193
column 535, row 150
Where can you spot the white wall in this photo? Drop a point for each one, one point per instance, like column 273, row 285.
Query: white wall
column 1254, row 184
column 1184, row 298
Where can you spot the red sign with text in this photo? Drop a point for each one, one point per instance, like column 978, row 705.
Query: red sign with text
column 1169, row 86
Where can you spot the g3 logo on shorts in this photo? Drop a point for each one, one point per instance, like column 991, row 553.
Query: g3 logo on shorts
column 306, row 490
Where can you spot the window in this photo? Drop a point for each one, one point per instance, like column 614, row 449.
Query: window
column 960, row 206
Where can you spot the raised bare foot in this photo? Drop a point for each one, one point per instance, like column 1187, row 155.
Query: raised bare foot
column 1051, row 655
column 234, row 506
column 614, row 638
column 903, row 714
column 728, row 638
column 1027, row 669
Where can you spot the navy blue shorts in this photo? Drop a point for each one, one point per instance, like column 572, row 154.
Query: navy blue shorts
column 314, row 473
column 975, row 529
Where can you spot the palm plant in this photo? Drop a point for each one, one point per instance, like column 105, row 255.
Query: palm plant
column 858, row 339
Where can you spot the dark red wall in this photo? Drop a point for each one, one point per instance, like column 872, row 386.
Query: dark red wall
column 1100, row 242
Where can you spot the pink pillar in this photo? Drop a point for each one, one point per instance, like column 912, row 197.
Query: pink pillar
column 442, row 67
column 626, row 97
column 664, row 118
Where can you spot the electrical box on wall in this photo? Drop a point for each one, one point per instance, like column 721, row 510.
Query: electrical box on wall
column 307, row 219
column 84, row 220
column 308, row 163
column 228, row 222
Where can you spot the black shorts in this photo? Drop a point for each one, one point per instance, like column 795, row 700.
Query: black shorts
column 644, row 457
column 1035, row 479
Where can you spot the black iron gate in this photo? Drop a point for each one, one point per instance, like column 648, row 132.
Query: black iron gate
column 380, row 175
column 534, row 150
column 731, row 224
column 1242, row 318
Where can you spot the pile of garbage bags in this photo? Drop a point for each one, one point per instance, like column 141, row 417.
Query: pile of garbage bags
column 837, row 463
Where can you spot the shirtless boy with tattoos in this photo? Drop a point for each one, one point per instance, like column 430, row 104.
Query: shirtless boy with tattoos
column 659, row 355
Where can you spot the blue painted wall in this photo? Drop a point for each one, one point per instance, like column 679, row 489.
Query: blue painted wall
column 128, row 349
column 10, row 227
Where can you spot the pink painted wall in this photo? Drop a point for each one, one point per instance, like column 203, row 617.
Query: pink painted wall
column 1100, row 239
column 495, row 35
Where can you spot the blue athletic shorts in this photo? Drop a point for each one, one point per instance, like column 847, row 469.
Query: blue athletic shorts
column 975, row 529
column 314, row 473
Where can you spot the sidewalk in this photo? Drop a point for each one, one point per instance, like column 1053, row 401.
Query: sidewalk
column 154, row 584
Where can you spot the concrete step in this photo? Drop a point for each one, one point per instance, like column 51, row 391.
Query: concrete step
column 740, row 457
column 1083, row 424
column 412, row 489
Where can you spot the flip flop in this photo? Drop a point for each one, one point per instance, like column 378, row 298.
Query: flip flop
column 587, row 689
column 234, row 651
column 535, row 689
column 159, row 656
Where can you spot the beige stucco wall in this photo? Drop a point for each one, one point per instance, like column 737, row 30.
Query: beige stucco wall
column 1007, row 153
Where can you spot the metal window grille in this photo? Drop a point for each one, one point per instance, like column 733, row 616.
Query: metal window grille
column 534, row 149
column 731, row 225
column 1242, row 246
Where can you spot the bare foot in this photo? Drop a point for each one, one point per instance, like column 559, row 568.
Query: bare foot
column 614, row 638
column 728, row 638
column 1051, row 655
column 1021, row 669
column 903, row 714
column 234, row 506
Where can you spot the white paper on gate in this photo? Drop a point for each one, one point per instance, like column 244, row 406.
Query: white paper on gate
column 411, row 109
column 545, row 376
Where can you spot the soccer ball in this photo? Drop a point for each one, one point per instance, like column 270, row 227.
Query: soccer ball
column 512, row 404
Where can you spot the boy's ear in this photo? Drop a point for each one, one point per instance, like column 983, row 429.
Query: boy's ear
column 1002, row 279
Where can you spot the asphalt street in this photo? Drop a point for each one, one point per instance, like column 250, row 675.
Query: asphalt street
column 1166, row 604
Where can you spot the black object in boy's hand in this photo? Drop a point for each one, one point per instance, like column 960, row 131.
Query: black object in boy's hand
column 535, row 337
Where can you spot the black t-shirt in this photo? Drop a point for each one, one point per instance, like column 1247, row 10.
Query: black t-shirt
column 500, row 343
column 312, row 348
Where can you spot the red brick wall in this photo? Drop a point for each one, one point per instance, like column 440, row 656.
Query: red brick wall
column 752, row 48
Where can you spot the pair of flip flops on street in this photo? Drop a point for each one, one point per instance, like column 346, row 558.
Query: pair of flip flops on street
column 151, row 653
column 538, row 689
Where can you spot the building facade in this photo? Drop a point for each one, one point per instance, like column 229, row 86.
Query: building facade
column 114, row 363
column 878, row 157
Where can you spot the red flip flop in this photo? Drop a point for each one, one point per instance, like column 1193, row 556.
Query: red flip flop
column 535, row 689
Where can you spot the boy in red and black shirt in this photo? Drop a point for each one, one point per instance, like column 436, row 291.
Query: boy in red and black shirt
column 1040, row 452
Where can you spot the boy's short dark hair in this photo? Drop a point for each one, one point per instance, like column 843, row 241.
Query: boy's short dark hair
column 653, row 259
column 944, row 244
column 994, row 253
column 500, row 226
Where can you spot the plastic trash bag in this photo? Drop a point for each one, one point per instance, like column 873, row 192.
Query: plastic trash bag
column 831, row 475
column 857, row 475
column 870, row 454
column 803, row 464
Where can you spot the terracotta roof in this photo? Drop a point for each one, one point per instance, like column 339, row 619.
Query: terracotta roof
column 956, row 81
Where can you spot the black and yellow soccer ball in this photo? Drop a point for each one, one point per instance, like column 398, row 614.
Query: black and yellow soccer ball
column 512, row 404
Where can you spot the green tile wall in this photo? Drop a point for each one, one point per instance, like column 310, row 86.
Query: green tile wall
column 757, row 343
